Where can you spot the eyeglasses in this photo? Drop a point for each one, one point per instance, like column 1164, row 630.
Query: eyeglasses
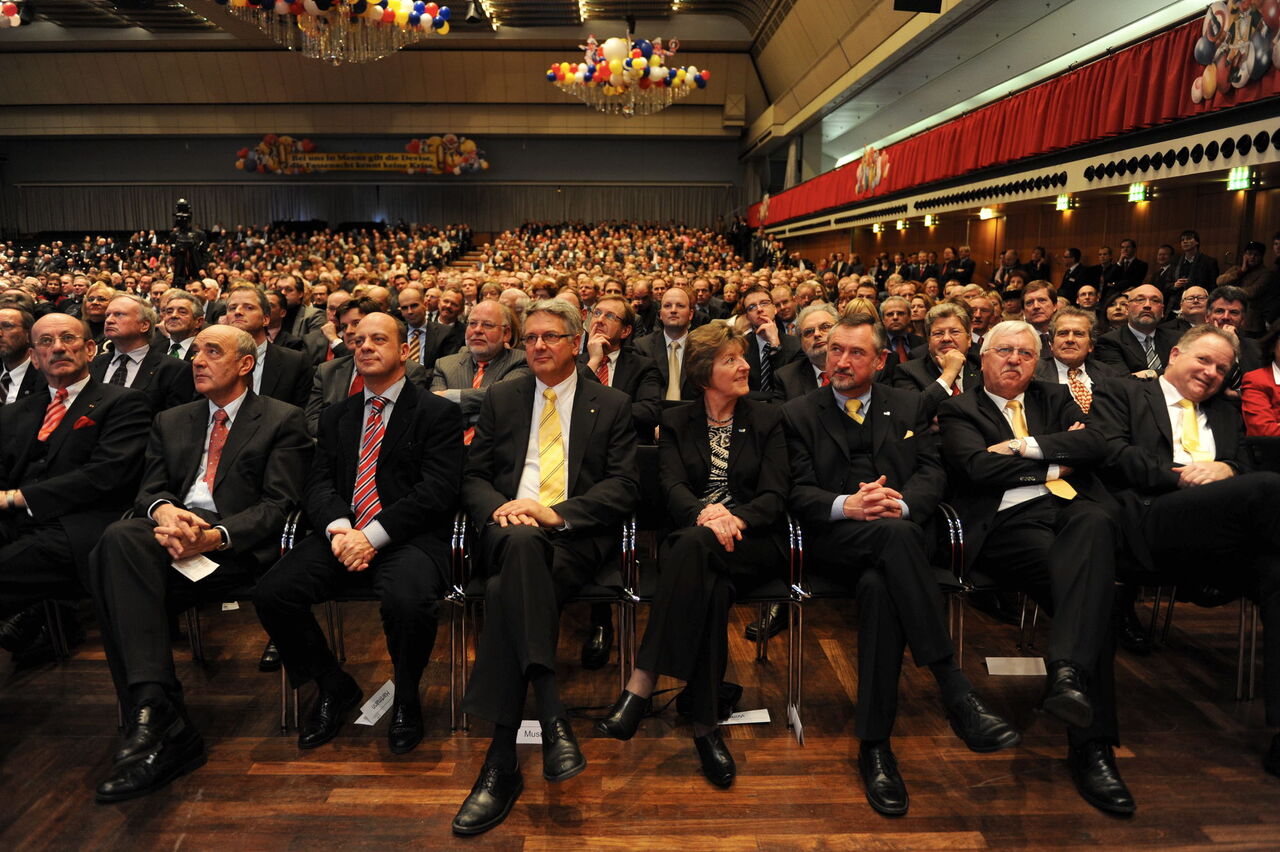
column 940, row 333
column 1195, row 298
column 1008, row 351
column 596, row 313
column 760, row 305
column 549, row 338
column 484, row 325
column 824, row 328
column 66, row 339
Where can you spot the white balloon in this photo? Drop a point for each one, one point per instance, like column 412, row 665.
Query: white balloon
column 615, row 48
column 310, row 7
column 656, row 74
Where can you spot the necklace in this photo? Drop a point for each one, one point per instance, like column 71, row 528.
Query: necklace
column 715, row 422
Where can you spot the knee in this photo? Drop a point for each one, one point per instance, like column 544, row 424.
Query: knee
column 691, row 539
column 1265, row 485
column 267, row 591
column 871, row 586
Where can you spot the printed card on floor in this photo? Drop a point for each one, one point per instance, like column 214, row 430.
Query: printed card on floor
column 377, row 706
column 1016, row 666
column 748, row 717
column 530, row 733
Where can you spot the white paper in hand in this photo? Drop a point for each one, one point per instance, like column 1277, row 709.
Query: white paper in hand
column 195, row 568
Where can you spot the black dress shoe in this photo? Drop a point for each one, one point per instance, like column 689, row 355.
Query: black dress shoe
column 625, row 715
column 1065, row 695
column 726, row 700
column 879, row 770
column 20, row 631
column 980, row 727
column 151, row 723
column 595, row 651
column 491, row 798
column 775, row 621
column 717, row 762
column 172, row 757
column 1132, row 634
column 1093, row 768
column 561, row 757
column 325, row 717
column 406, row 727
column 270, row 659
column 1271, row 760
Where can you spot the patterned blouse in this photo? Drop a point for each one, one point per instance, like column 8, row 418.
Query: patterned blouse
column 718, row 482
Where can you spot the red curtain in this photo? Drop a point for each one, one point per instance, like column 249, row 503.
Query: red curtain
column 1143, row 86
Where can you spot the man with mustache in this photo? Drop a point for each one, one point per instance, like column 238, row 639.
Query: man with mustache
column 1141, row 347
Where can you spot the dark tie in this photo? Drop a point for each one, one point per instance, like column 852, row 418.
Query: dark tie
column 901, row 346
column 120, row 377
column 6, row 382
column 766, row 368
column 364, row 501
column 217, row 440
column 175, row 351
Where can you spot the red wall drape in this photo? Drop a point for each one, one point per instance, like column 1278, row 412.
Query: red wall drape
column 1143, row 86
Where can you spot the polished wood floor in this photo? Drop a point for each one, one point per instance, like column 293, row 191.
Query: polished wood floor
column 1191, row 756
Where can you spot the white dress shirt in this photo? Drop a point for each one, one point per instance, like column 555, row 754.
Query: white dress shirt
column 258, row 365
column 16, row 375
column 373, row 531
column 132, row 362
column 1030, row 450
column 1171, row 399
column 1062, row 374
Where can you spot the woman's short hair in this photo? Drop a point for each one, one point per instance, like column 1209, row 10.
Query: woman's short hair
column 704, row 344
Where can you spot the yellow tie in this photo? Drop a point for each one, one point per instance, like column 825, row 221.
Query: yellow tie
column 853, row 408
column 673, row 370
column 1191, row 432
column 1057, row 487
column 550, row 454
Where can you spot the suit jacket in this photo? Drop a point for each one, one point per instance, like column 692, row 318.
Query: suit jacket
column 1037, row 271
column 903, row 451
column 1131, row 276
column 1164, row 278
column 971, row 422
column 457, row 372
column 787, row 350
column 32, row 381
column 963, row 270
column 1134, row 420
column 1201, row 271
column 260, row 475
column 654, row 346
column 440, row 340
column 1047, row 370
column 921, row 375
column 601, row 456
column 289, row 341
column 1072, row 280
column 316, row 347
column 86, row 474
column 1260, row 403
column 164, row 381
column 331, row 384
column 419, row 467
column 797, row 379
column 1121, row 349
column 913, row 341
column 309, row 318
column 637, row 376
column 286, row 375
column 759, row 477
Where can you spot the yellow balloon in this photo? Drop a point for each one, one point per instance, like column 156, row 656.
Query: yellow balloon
column 615, row 66
column 680, row 74
column 402, row 19
column 564, row 68
column 443, row 29
column 639, row 64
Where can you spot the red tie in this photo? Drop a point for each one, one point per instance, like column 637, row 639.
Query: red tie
column 825, row 380
column 328, row 354
column 902, row 351
column 955, row 389
column 602, row 372
column 469, row 434
column 217, row 440
column 53, row 414
column 365, row 499
column 357, row 385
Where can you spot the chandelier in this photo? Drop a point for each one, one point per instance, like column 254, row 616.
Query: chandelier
column 627, row 77
column 341, row 31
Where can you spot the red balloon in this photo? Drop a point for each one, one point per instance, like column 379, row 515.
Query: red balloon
column 706, row 75
column 242, row 153
column 431, row 10
column 297, row 8
column 9, row 9
column 270, row 138
column 414, row 146
column 308, row 146
column 388, row 17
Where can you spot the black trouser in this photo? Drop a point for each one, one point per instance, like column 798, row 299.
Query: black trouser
column 698, row 581
column 899, row 604
column 35, row 563
column 408, row 580
column 533, row 573
column 1062, row 554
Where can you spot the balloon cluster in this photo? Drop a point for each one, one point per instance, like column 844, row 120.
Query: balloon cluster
column 616, row 68
column 447, row 154
column 275, row 155
column 405, row 14
column 1239, row 43
column 10, row 15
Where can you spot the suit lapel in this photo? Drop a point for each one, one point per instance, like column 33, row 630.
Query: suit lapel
column 248, row 420
column 995, row 416
column 832, row 421
column 879, row 420
column 270, row 372
column 1223, row 420
column 86, row 402
column 581, row 424
column 146, row 370
column 193, row 443
column 1159, row 411
column 401, row 417
column 520, row 422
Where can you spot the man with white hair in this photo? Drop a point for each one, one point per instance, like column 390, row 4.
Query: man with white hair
column 134, row 363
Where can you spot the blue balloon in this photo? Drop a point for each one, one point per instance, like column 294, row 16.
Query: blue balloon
column 444, row 13
column 359, row 7
column 591, row 69
column 419, row 7
column 644, row 46
column 437, row 22
column 699, row 82
column 671, row 73
column 414, row 19
column 551, row 76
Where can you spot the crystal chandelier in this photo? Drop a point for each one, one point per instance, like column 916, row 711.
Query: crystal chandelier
column 341, row 31
column 627, row 77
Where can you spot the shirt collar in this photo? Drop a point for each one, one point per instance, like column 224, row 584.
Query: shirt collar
column 1172, row 396
column 1001, row 402
column 391, row 394
column 135, row 354
column 72, row 390
column 232, row 408
column 842, row 399
column 561, row 389
column 1142, row 336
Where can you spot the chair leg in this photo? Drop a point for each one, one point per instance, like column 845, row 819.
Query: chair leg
column 762, row 650
column 1168, row 615
column 1022, row 624
column 342, row 636
column 331, row 625
column 284, row 702
column 1244, row 606
column 1253, row 650
column 1035, row 619
column 960, row 634
column 1155, row 613
column 193, row 635
column 57, row 632
column 453, row 668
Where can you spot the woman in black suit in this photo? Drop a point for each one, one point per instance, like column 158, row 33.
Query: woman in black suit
column 724, row 470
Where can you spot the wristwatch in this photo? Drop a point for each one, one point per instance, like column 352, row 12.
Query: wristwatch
column 1015, row 446
column 225, row 538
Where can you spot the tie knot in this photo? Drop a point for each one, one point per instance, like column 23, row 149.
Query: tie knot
column 377, row 403
column 852, row 407
column 1186, row 404
column 1073, row 372
column 61, row 394
column 1013, row 405
column 550, row 395
column 220, row 416
column 482, row 364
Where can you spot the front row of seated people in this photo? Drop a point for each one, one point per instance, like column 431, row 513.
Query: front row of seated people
column 1052, row 500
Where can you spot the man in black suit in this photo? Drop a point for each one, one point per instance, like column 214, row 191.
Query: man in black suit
column 19, row 376
column 895, row 314
column 413, row 310
column 1037, row 520
column 964, row 266
column 618, row 365
column 134, row 363
column 550, row 477
column 446, row 336
column 1179, row 466
column 645, row 307
column 800, row 377
column 1194, row 267
column 276, row 332
column 1008, row 265
column 325, row 343
column 768, row 349
column 381, row 495
column 1037, row 268
column 945, row 371
column 69, row 461
column 1106, row 274
column 1133, row 270
column 1227, row 310
column 666, row 346
column 279, row 373
column 704, row 309
column 867, row 479
column 219, row 476
column 1069, row 360
column 181, row 318
column 1140, row 347
column 300, row 319
column 1074, row 275
column 1165, row 271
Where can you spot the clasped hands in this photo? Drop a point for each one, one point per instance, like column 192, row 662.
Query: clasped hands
column 351, row 547
column 726, row 526
column 531, row 513
column 1202, row 473
column 182, row 532
column 873, row 500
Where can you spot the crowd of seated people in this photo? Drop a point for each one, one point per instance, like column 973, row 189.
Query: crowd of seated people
column 1076, row 426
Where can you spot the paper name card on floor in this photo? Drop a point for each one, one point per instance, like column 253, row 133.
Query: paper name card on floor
column 748, row 717
column 230, row 606
column 1017, row 666
column 530, row 733
column 377, row 706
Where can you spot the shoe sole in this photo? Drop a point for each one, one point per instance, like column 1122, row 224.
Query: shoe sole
column 347, row 708
column 1009, row 741
column 1064, row 709
column 471, row 831
column 164, row 781
column 565, row 776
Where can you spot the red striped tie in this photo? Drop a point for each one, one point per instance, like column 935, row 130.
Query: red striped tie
column 469, row 434
column 217, row 440
column 602, row 372
column 53, row 414
column 364, row 502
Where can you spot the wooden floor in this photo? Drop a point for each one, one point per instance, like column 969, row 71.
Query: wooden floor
column 1191, row 757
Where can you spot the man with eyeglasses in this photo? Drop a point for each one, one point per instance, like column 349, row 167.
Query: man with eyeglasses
column 768, row 348
column 69, row 465
column 946, row 371
column 466, row 377
column 800, row 377
column 550, row 477
column 1037, row 520
column 1193, row 310
column 1141, row 347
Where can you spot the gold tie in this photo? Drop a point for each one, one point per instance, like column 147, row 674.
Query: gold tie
column 1191, row 432
column 853, row 408
column 1057, row 487
column 550, row 454
column 415, row 345
column 673, row 370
